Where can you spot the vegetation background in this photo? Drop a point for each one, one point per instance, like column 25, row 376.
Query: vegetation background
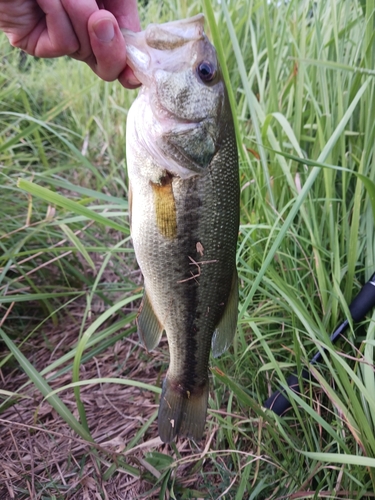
column 78, row 393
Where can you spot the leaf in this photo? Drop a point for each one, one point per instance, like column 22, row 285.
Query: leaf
column 56, row 199
column 339, row 458
column 302, row 195
column 79, row 246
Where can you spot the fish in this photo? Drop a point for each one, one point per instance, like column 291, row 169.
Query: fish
column 182, row 165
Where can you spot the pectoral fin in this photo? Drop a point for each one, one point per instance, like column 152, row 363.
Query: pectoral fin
column 226, row 329
column 149, row 328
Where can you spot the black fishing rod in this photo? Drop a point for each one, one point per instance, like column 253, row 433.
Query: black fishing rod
column 359, row 307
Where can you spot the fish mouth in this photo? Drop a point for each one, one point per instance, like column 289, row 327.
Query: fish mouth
column 154, row 48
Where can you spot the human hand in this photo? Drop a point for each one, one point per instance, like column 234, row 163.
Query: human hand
column 77, row 28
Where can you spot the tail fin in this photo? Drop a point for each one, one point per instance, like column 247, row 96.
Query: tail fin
column 182, row 414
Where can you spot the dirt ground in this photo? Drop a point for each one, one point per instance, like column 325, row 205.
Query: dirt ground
column 41, row 457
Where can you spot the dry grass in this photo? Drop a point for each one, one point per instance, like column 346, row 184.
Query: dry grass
column 37, row 447
column 40, row 456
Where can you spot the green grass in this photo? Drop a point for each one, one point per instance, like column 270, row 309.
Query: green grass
column 302, row 81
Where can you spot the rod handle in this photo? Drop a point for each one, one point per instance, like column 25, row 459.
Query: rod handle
column 278, row 402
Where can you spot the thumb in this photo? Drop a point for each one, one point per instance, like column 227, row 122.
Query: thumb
column 107, row 44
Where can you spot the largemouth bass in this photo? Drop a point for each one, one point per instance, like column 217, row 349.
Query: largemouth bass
column 183, row 174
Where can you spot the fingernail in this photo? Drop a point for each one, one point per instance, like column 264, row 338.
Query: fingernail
column 131, row 85
column 132, row 82
column 104, row 30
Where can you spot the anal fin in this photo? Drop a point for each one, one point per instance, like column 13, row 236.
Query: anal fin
column 149, row 328
column 226, row 329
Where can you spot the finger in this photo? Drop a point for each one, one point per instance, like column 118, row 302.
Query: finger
column 109, row 49
column 126, row 13
column 128, row 79
column 52, row 35
column 79, row 13
column 107, row 44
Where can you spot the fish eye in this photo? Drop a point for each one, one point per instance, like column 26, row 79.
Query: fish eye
column 206, row 71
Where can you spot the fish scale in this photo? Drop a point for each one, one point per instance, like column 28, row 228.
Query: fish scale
column 183, row 173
